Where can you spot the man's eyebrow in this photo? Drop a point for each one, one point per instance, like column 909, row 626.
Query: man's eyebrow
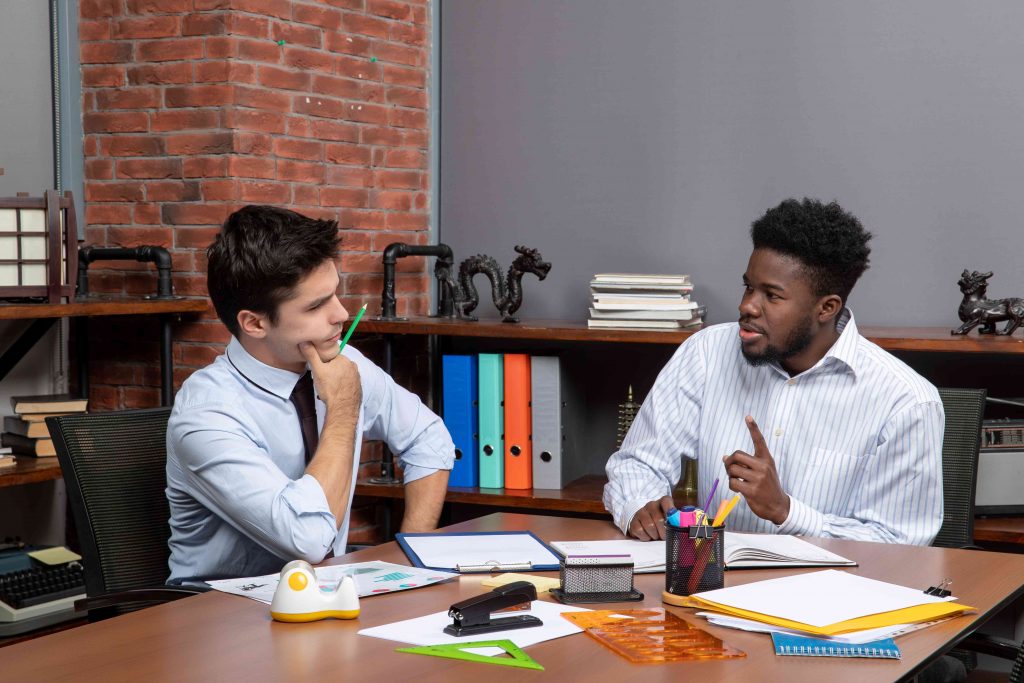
column 768, row 285
column 316, row 302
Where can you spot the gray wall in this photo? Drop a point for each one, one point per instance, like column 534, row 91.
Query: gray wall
column 26, row 126
column 35, row 512
column 647, row 135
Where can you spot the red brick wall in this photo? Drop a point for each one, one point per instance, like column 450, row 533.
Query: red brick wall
column 192, row 108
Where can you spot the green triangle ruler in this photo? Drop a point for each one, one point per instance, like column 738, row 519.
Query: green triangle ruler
column 519, row 658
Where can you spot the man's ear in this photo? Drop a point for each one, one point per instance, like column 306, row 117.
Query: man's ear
column 829, row 307
column 253, row 324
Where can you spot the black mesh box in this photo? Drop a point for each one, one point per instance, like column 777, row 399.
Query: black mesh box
column 694, row 559
column 596, row 578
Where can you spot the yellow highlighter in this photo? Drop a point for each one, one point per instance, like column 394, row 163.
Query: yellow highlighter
column 722, row 514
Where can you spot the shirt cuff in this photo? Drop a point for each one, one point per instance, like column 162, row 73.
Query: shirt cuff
column 411, row 473
column 629, row 510
column 803, row 520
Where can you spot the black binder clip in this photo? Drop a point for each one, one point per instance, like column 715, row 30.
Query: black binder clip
column 473, row 616
column 940, row 591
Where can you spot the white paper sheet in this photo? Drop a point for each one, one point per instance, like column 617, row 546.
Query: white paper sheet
column 372, row 578
column 429, row 630
column 648, row 556
column 820, row 598
column 448, row 550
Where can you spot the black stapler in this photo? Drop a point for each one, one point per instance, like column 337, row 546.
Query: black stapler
column 473, row 615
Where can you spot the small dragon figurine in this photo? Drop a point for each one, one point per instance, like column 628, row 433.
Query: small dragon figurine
column 976, row 310
column 507, row 293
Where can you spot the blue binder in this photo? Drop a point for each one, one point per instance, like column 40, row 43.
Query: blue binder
column 492, row 416
column 460, row 416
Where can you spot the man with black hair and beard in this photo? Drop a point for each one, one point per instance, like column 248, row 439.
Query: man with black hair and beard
column 819, row 430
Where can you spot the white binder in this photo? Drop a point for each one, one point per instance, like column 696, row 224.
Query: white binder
column 552, row 442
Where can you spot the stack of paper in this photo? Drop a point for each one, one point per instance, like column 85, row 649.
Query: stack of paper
column 640, row 300
column 827, row 603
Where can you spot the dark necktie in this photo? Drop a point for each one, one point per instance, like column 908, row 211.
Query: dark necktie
column 305, row 405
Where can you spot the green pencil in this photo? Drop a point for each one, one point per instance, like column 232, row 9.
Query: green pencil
column 351, row 328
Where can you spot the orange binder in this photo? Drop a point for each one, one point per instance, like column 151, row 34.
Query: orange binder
column 518, row 454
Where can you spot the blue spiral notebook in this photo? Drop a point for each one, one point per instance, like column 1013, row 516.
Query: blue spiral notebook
column 786, row 644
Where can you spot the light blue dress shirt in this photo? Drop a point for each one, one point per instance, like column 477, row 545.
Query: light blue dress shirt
column 241, row 503
column 856, row 439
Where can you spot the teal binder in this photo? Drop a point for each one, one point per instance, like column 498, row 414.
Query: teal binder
column 491, row 375
column 788, row 644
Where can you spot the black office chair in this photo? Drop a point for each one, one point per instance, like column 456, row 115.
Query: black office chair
column 964, row 410
column 113, row 465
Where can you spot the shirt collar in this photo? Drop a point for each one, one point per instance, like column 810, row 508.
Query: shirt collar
column 270, row 379
column 845, row 348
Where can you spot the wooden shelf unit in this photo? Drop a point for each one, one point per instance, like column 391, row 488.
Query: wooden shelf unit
column 29, row 470
column 100, row 305
column 930, row 339
column 584, row 495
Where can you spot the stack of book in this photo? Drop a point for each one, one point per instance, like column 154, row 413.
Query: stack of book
column 638, row 300
column 25, row 433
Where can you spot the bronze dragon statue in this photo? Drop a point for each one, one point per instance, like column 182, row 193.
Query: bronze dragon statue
column 507, row 293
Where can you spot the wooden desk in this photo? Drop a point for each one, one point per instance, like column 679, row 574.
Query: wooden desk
column 218, row 637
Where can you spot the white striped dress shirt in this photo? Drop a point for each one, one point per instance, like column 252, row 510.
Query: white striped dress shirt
column 857, row 439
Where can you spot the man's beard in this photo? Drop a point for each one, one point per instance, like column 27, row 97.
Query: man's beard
column 799, row 339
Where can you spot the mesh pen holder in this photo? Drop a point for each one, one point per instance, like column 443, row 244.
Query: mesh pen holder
column 694, row 561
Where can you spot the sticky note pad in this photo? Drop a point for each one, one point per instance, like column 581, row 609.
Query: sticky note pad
column 58, row 555
column 543, row 583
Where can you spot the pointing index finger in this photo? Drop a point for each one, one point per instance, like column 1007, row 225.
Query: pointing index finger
column 755, row 434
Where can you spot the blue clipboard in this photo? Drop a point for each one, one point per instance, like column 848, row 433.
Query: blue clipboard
column 486, row 567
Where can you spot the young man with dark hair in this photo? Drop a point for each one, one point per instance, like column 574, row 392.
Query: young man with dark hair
column 822, row 432
column 260, row 469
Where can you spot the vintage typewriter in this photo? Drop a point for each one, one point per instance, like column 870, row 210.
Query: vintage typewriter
column 34, row 594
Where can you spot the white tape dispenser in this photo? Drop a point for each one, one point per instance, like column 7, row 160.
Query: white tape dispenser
column 300, row 598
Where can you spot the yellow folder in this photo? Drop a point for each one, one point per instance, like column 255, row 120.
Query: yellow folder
column 907, row 615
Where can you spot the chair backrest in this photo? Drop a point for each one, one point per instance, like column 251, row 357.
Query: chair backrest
column 964, row 409
column 114, row 471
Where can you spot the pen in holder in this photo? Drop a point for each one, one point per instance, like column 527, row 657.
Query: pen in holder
column 694, row 560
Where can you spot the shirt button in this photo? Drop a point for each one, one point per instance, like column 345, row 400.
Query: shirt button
column 790, row 382
column 778, row 432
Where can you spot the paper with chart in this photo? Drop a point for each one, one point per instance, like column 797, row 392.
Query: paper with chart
column 372, row 578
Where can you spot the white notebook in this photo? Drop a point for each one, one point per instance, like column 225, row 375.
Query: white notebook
column 748, row 551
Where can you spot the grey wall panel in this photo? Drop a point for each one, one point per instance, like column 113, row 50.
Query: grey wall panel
column 647, row 136
column 26, row 98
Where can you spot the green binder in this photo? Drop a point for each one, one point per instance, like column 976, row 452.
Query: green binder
column 491, row 375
